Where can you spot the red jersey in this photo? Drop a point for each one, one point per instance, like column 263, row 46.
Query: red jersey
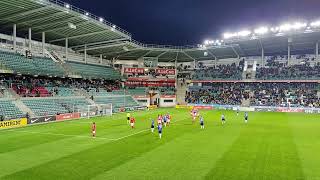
column 94, row 127
column 132, row 120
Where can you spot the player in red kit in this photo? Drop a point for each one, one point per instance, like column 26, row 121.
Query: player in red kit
column 159, row 119
column 94, row 129
column 132, row 121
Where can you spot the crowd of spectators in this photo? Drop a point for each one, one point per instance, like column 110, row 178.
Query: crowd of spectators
column 260, row 94
column 29, row 86
column 276, row 68
column 301, row 71
column 224, row 71
column 218, row 93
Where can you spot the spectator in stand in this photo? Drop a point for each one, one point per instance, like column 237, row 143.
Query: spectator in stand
column 261, row 94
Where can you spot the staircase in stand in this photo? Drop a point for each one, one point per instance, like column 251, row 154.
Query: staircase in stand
column 23, row 108
column 181, row 92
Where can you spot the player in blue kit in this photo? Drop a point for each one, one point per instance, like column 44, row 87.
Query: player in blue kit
column 201, row 122
column 246, row 117
column 160, row 130
column 164, row 120
column 223, row 119
column 152, row 126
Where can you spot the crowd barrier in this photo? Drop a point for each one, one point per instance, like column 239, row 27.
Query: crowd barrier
column 258, row 108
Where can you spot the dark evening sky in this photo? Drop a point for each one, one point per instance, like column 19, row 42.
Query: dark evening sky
column 188, row 22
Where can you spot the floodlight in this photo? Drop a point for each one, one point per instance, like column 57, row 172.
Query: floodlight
column 285, row 27
column 315, row 24
column 87, row 14
column 229, row 35
column 244, row 33
column 67, row 6
column 101, row 19
column 261, row 30
column 299, row 25
column 206, row 42
column 275, row 29
column 114, row 26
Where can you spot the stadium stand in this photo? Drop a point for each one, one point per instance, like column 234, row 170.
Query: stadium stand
column 231, row 72
column 53, row 106
column 262, row 94
column 33, row 66
column 8, row 110
column 94, row 71
column 117, row 101
column 137, row 91
column 302, row 71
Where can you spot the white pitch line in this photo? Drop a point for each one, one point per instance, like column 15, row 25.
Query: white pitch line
column 130, row 135
column 58, row 134
column 79, row 136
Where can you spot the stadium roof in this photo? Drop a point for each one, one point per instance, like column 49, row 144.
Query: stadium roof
column 60, row 20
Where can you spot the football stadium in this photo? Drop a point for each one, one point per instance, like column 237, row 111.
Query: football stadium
column 80, row 98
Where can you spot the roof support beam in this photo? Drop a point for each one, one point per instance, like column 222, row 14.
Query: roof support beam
column 101, row 47
column 235, row 52
column 24, row 13
column 59, row 28
column 214, row 56
column 102, row 42
column 188, row 55
column 163, row 53
column 53, row 23
column 145, row 54
column 79, row 36
column 262, row 53
column 40, row 18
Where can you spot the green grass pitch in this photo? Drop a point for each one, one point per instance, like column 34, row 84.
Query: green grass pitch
column 273, row 146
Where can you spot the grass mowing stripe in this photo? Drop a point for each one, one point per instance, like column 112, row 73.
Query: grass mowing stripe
column 186, row 157
column 93, row 161
column 25, row 158
column 261, row 153
column 306, row 136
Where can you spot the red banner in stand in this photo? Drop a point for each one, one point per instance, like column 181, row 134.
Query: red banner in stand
column 133, row 70
column 166, row 71
column 152, row 80
column 149, row 84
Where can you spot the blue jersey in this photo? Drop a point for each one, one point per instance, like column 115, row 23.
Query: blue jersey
column 201, row 121
column 152, row 123
column 160, row 128
column 164, row 118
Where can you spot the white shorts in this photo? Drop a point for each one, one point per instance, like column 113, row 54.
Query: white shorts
column 132, row 124
column 93, row 132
